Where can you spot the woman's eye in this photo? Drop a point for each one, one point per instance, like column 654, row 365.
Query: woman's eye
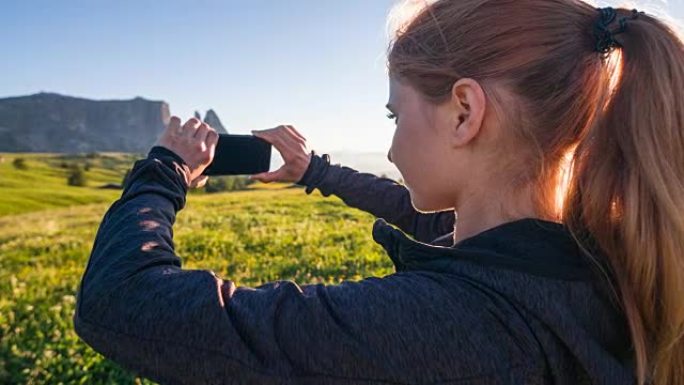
column 392, row 116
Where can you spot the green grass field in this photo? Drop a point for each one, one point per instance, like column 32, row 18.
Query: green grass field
column 267, row 233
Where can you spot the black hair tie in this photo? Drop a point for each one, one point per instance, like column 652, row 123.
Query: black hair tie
column 605, row 40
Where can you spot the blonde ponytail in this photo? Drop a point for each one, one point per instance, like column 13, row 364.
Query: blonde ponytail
column 627, row 191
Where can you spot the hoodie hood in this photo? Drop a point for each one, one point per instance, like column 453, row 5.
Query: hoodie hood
column 548, row 250
column 537, row 266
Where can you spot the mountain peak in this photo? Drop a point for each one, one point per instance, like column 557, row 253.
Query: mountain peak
column 213, row 120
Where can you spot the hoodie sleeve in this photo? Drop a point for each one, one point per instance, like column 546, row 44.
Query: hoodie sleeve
column 139, row 308
column 382, row 197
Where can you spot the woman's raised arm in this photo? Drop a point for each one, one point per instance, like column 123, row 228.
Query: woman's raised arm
column 137, row 306
column 382, row 197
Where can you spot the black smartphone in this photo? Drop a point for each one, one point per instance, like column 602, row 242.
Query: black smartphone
column 240, row 155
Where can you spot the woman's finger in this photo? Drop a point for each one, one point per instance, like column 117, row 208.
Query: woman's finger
column 296, row 133
column 212, row 138
column 190, row 127
column 175, row 125
column 266, row 135
column 201, row 133
column 288, row 138
column 272, row 137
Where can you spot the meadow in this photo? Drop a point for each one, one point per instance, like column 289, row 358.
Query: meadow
column 265, row 233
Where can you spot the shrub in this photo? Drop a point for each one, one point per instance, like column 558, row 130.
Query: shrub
column 76, row 176
column 19, row 163
column 227, row 183
column 87, row 166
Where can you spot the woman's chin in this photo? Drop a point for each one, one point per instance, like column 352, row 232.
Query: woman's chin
column 418, row 203
column 418, row 200
column 424, row 205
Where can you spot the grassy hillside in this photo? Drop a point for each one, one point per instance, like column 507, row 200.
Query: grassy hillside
column 250, row 237
column 43, row 183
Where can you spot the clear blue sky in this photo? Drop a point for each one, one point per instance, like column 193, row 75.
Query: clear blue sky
column 316, row 64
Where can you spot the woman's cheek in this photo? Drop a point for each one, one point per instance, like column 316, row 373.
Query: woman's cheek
column 395, row 149
column 403, row 153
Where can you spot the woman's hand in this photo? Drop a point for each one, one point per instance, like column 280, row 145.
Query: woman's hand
column 195, row 142
column 292, row 146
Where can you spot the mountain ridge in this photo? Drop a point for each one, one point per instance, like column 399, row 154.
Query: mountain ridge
column 54, row 122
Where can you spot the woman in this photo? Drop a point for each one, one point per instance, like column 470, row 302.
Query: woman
column 546, row 280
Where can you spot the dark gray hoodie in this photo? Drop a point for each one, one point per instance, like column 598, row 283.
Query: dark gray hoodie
column 515, row 304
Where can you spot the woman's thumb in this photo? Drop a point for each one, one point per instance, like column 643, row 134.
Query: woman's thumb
column 199, row 181
column 262, row 177
column 268, row 177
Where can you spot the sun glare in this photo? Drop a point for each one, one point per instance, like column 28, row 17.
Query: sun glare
column 614, row 69
column 402, row 13
column 565, row 174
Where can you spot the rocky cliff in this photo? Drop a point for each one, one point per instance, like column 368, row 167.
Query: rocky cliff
column 48, row 122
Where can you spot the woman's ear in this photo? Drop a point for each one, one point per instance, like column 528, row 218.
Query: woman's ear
column 467, row 106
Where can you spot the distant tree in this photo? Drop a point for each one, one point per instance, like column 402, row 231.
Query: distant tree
column 92, row 155
column 87, row 166
column 227, row 183
column 19, row 163
column 76, row 176
column 64, row 164
column 216, row 184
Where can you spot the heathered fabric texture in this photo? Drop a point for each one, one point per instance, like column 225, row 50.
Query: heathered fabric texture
column 515, row 304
